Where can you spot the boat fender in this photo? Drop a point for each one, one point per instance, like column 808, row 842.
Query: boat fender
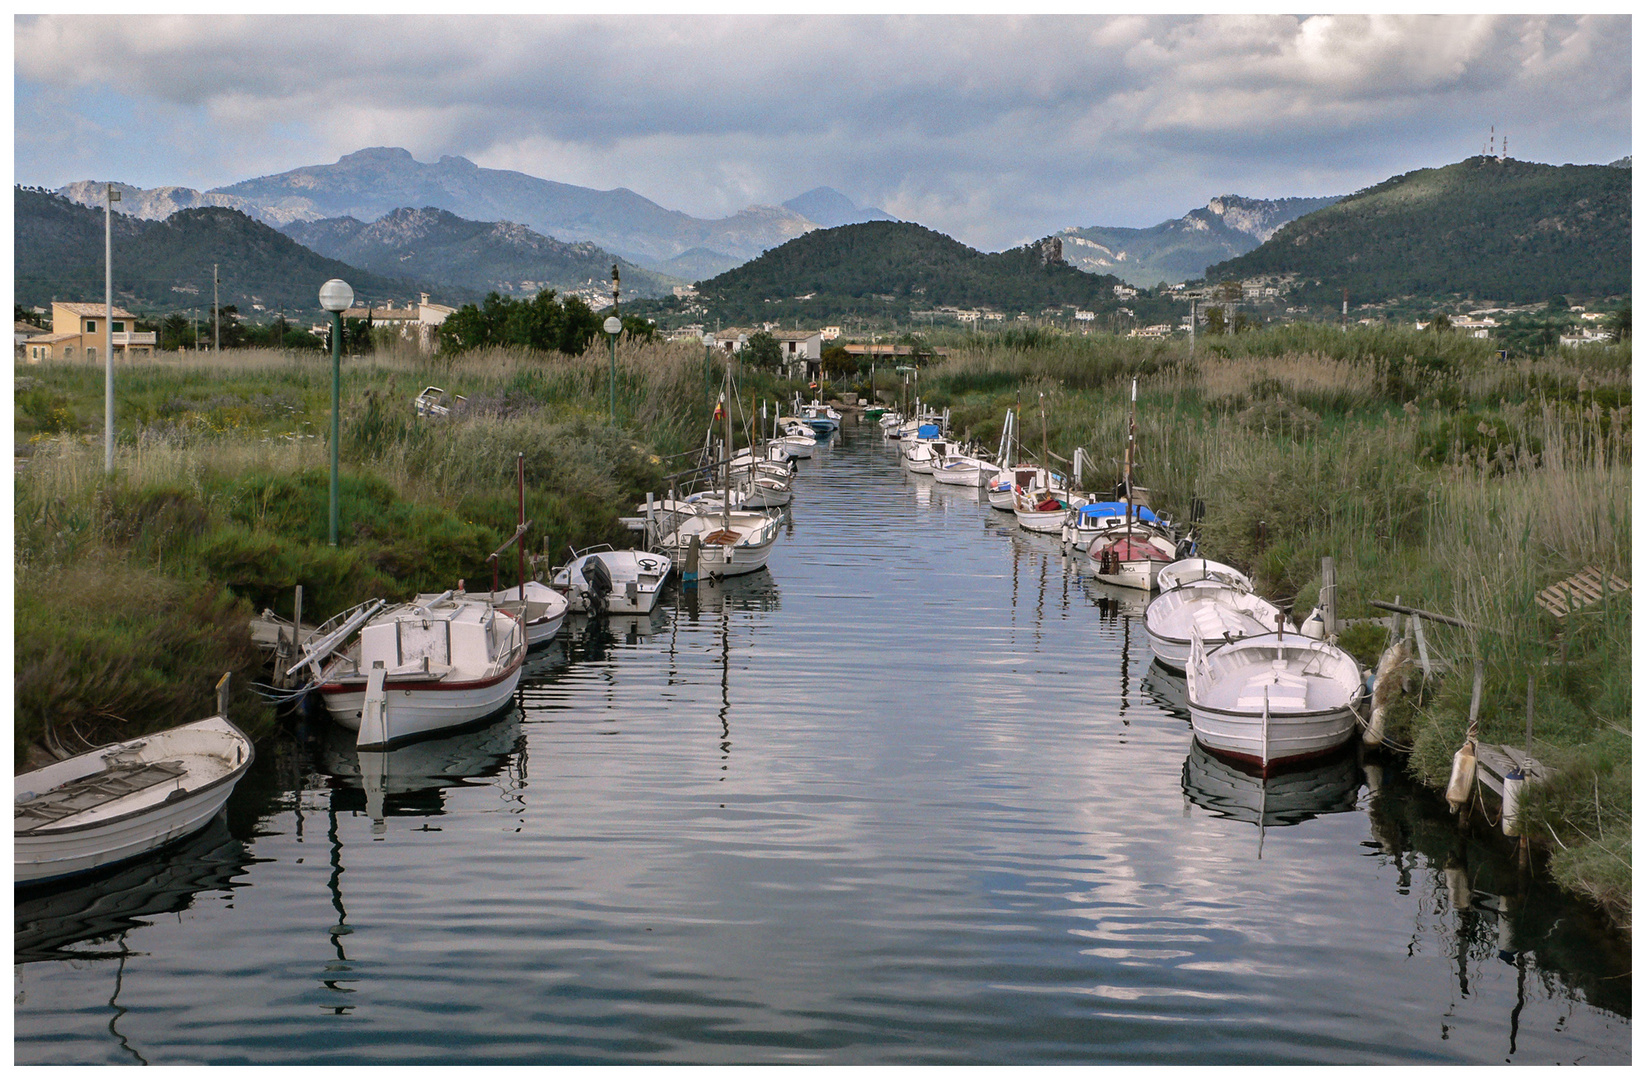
column 1386, row 687
column 1315, row 625
column 1462, row 784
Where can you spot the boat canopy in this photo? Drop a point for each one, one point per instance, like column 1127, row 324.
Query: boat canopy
column 927, row 431
column 1116, row 509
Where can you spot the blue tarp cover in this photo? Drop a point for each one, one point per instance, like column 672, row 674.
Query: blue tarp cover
column 1115, row 509
column 926, row 431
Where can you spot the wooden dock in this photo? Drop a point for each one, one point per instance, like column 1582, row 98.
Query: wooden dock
column 1495, row 761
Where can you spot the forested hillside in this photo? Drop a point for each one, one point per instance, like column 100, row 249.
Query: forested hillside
column 881, row 268
column 162, row 266
column 1484, row 229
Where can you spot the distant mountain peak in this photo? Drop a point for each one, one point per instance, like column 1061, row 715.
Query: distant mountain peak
column 395, row 155
column 830, row 209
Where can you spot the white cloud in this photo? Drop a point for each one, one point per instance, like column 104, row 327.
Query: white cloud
column 991, row 129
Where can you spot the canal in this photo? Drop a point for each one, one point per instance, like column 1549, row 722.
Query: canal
column 914, row 795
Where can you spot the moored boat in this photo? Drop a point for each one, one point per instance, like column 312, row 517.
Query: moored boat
column 601, row 579
column 1219, row 614
column 1272, row 697
column 118, row 802
column 543, row 609
column 1190, row 571
column 431, row 665
column 1131, row 558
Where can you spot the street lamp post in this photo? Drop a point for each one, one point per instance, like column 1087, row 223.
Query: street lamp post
column 108, row 329
column 335, row 297
column 613, row 326
column 708, row 387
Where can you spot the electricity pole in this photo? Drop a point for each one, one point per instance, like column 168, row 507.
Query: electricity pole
column 113, row 197
column 216, row 315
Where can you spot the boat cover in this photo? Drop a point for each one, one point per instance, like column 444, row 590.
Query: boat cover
column 927, row 431
column 1132, row 550
column 1116, row 509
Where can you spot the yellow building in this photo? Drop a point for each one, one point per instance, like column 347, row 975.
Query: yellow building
column 77, row 334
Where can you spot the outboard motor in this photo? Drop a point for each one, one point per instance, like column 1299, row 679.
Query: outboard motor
column 599, row 581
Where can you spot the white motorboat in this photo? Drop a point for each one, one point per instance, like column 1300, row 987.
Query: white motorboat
column 820, row 417
column 1131, row 558
column 797, row 438
column 431, row 665
column 890, row 421
column 963, row 470
column 1272, row 697
column 121, row 801
column 544, row 609
column 922, row 448
column 1043, row 509
column 1219, row 614
column 601, row 579
column 1190, row 571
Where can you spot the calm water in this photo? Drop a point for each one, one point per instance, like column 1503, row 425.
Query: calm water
column 915, row 795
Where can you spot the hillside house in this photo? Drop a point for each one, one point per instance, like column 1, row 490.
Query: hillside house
column 77, row 332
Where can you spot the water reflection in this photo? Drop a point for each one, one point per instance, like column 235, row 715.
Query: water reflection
column 1329, row 786
column 414, row 779
column 48, row 921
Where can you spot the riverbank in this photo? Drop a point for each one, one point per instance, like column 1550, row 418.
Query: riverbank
column 1429, row 471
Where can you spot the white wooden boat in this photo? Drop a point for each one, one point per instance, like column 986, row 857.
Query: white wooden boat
column 1218, row 613
column 1086, row 523
column 431, row 665
column 797, row 438
column 1272, row 697
column 923, row 447
column 1190, row 571
column 1131, row 558
column 728, row 542
column 543, row 612
column 436, row 404
column 601, row 579
column 1043, row 509
column 118, row 802
column 963, row 470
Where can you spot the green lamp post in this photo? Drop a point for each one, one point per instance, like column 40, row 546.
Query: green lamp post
column 335, row 297
column 708, row 386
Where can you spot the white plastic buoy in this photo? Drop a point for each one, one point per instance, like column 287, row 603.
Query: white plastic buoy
column 1513, row 782
column 1462, row 784
column 1315, row 625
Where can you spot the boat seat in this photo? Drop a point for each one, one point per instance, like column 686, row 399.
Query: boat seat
column 1286, row 691
column 90, row 792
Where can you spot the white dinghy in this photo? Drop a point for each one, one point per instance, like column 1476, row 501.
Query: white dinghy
column 1272, row 697
column 1216, row 612
column 118, row 802
column 1190, row 571
column 601, row 579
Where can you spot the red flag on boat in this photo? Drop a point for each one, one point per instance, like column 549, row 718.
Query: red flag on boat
column 720, row 407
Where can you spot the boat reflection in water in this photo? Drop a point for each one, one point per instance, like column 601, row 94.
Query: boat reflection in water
column 748, row 592
column 411, row 780
column 99, row 909
column 1322, row 786
column 1169, row 690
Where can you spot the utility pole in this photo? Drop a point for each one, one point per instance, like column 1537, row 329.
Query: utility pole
column 216, row 315
column 113, row 197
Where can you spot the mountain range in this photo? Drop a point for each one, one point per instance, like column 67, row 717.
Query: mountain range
column 1179, row 250
column 167, row 265
column 1484, row 228
column 478, row 256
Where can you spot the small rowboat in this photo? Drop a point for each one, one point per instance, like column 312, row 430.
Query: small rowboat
column 1190, row 571
column 121, row 801
column 1272, row 697
column 1218, row 613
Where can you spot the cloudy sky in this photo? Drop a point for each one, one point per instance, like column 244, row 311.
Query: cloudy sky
column 995, row 130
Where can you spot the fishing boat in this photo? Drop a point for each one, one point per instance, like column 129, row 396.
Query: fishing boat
column 919, row 449
column 1272, row 698
column 797, row 438
column 963, row 470
column 415, row 669
column 1189, row 571
column 542, row 608
column 601, row 579
column 1218, row 613
column 1131, row 558
column 1086, row 523
column 121, row 801
column 820, row 417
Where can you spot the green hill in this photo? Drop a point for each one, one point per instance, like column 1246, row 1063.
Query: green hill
column 891, row 268
column 164, row 266
column 1482, row 229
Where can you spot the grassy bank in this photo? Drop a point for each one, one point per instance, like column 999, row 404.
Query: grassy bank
column 218, row 505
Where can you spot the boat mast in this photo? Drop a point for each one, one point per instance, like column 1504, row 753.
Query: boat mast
column 1131, row 434
column 726, row 503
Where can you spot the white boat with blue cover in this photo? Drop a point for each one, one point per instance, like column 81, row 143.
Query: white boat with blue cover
column 1085, row 523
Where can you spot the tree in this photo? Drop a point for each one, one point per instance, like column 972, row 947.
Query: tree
column 836, row 362
column 176, row 332
column 1216, row 323
column 1440, row 323
column 763, row 351
column 1618, row 324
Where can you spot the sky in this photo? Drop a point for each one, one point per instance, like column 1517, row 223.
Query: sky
column 994, row 130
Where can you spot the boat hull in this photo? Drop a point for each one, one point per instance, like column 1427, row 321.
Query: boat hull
column 1272, row 698
column 1291, row 736
column 154, row 817
column 417, row 708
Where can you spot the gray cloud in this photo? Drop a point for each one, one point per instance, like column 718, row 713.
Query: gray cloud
column 995, row 130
